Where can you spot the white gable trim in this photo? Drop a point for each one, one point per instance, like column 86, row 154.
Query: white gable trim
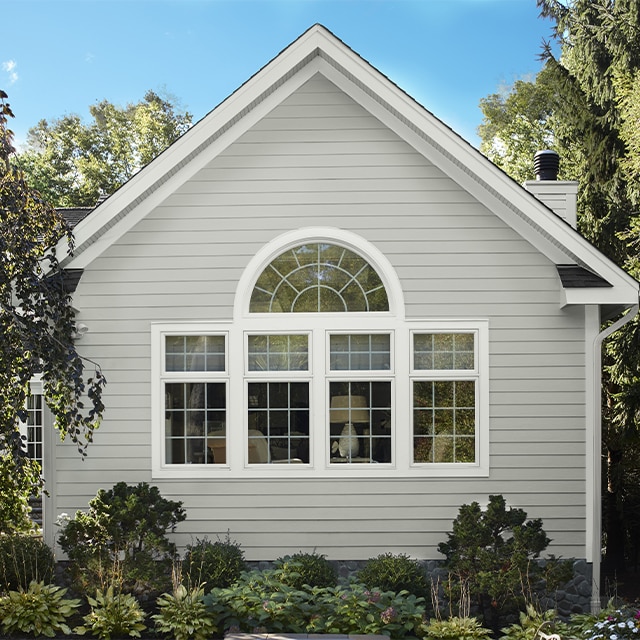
column 317, row 50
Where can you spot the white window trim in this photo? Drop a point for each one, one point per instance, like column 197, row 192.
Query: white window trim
column 320, row 326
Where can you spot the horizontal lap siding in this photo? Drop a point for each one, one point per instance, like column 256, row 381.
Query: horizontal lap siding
column 337, row 166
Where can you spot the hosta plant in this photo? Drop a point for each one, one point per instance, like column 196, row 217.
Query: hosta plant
column 41, row 609
column 183, row 616
column 113, row 615
column 455, row 628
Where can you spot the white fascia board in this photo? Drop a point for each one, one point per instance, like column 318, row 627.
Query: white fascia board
column 518, row 208
column 616, row 296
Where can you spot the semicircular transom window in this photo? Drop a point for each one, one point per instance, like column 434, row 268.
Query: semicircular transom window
column 318, row 277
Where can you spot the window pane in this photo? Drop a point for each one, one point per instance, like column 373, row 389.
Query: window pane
column 278, row 416
column 194, row 353
column 278, row 353
column 195, row 422
column 444, row 351
column 444, row 421
column 360, row 422
column 360, row 352
column 314, row 278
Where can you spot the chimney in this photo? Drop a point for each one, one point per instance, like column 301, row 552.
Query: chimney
column 560, row 196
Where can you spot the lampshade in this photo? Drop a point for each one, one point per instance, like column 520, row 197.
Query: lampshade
column 349, row 409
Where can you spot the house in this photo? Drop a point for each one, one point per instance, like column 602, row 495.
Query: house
column 327, row 321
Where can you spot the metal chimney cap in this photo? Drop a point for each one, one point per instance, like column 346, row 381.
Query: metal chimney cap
column 546, row 164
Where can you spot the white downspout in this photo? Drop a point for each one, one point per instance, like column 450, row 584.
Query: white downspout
column 595, row 445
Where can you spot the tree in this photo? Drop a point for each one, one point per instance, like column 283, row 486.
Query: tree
column 37, row 326
column 591, row 120
column 73, row 164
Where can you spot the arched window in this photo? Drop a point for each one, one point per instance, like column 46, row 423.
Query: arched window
column 320, row 372
column 319, row 277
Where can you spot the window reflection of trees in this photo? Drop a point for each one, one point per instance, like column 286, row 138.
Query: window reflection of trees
column 319, row 278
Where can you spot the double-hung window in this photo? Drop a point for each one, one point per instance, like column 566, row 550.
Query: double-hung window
column 194, row 381
column 444, row 397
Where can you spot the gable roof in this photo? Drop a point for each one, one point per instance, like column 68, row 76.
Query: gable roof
column 319, row 51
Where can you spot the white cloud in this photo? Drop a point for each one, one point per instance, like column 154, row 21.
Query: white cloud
column 10, row 68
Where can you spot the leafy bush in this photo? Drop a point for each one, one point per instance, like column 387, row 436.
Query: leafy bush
column 261, row 602
column 355, row 610
column 183, row 615
column 455, row 628
column 532, row 622
column 40, row 610
column 127, row 524
column 24, row 559
column 113, row 614
column 214, row 564
column 310, row 569
column 493, row 553
column 391, row 572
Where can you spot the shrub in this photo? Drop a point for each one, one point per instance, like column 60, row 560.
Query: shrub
column 455, row 628
column 391, row 572
column 41, row 609
column 494, row 554
column 113, row 614
column 261, row 603
column 24, row 559
column 183, row 615
column 129, row 524
column 532, row 622
column 309, row 569
column 214, row 564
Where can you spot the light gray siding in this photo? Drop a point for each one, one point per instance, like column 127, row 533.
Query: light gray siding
column 320, row 160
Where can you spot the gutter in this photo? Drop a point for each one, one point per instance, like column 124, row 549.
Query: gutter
column 596, row 604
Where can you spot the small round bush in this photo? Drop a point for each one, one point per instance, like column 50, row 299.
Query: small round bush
column 214, row 564
column 390, row 572
column 310, row 569
column 24, row 559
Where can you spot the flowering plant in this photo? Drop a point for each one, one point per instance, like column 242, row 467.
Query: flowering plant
column 615, row 624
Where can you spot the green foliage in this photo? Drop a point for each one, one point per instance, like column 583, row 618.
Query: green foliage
column 394, row 572
column 113, row 615
column 24, row 559
column 261, row 602
column 455, row 628
column 183, row 615
column 612, row 623
column 585, row 103
column 531, row 622
column 37, row 324
column 72, row 163
column 214, row 564
column 310, row 569
column 125, row 526
column 40, row 610
column 493, row 553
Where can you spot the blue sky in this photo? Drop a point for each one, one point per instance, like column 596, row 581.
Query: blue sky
column 60, row 56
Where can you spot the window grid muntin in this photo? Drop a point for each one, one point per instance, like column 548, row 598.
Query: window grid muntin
column 215, row 348
column 35, row 423
column 300, row 273
column 268, row 412
column 368, row 351
column 371, row 420
column 446, row 423
column 195, row 352
column 298, row 355
column 420, row 357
